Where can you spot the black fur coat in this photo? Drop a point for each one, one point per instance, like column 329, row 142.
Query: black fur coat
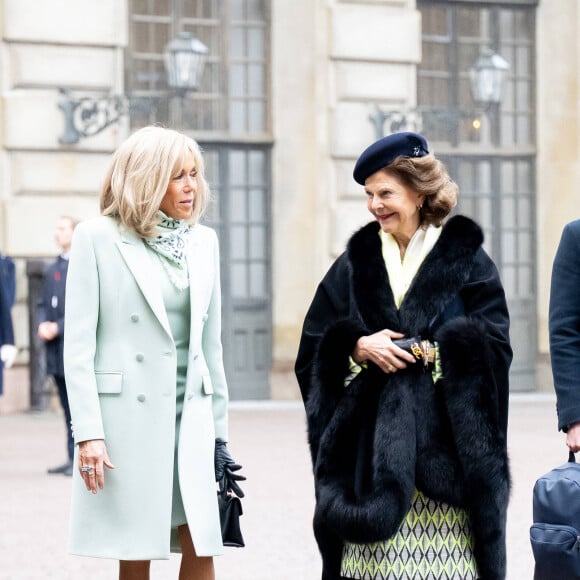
column 373, row 442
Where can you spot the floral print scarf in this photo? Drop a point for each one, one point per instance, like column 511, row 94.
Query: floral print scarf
column 170, row 245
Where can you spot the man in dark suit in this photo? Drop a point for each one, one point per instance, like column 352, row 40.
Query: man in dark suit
column 8, row 278
column 7, row 349
column 50, row 317
column 565, row 333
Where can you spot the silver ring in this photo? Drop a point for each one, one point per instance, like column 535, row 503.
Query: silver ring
column 86, row 468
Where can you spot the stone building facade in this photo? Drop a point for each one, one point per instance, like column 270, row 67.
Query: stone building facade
column 320, row 70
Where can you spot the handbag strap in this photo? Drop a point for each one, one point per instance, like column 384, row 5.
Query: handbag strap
column 571, row 457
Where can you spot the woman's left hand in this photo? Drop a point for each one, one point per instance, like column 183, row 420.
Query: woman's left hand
column 225, row 470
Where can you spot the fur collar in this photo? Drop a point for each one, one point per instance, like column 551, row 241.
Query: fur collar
column 453, row 255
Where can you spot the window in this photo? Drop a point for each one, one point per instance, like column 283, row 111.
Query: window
column 229, row 116
column 453, row 36
column 493, row 163
column 234, row 93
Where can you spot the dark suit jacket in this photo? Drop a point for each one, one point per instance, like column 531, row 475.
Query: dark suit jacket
column 51, row 308
column 565, row 325
column 6, row 330
column 8, row 279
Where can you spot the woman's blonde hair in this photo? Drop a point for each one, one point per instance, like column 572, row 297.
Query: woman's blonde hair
column 427, row 176
column 139, row 174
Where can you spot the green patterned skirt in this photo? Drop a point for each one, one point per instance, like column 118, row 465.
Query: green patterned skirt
column 433, row 542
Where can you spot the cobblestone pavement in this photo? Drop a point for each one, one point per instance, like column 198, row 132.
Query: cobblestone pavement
column 269, row 439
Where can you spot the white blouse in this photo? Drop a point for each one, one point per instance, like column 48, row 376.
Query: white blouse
column 402, row 272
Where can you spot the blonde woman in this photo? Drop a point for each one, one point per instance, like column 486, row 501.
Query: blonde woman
column 143, row 364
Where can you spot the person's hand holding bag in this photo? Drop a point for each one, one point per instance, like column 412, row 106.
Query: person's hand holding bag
column 225, row 470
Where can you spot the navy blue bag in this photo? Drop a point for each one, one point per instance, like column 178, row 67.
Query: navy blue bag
column 555, row 533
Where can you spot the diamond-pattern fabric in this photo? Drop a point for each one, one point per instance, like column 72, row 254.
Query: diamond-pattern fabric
column 433, row 542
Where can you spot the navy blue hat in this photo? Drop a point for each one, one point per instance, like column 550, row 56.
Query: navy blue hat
column 385, row 150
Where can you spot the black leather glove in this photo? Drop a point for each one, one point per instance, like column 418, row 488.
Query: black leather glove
column 225, row 470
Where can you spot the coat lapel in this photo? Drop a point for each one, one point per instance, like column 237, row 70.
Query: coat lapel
column 139, row 263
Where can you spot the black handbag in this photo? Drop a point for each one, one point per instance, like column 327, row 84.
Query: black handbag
column 555, row 533
column 230, row 508
column 422, row 350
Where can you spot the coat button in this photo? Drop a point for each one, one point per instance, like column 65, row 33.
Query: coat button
column 135, row 317
column 195, row 356
column 141, row 397
column 139, row 357
column 204, row 317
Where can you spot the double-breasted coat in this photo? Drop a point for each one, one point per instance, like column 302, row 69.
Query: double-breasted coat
column 120, row 365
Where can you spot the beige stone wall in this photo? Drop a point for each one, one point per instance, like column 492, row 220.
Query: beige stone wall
column 374, row 50
column 300, row 162
column 73, row 44
column 44, row 46
column 353, row 55
column 558, row 161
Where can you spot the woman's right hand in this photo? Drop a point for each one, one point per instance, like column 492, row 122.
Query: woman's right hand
column 93, row 455
column 380, row 349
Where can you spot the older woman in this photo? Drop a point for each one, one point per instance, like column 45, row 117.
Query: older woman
column 403, row 367
column 143, row 363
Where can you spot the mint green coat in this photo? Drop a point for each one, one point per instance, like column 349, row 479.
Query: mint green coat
column 120, row 366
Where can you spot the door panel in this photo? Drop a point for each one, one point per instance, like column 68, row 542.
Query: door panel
column 239, row 178
column 498, row 194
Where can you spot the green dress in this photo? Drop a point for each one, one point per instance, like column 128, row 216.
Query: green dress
column 177, row 307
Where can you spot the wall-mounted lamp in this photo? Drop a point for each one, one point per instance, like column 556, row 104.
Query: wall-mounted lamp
column 184, row 58
column 486, row 76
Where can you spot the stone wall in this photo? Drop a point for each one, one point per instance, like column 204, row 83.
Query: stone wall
column 74, row 44
column 45, row 46
column 558, row 161
column 352, row 56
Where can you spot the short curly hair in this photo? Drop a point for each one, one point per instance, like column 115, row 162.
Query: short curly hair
column 427, row 176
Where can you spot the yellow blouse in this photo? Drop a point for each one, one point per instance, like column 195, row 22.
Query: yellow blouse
column 402, row 272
